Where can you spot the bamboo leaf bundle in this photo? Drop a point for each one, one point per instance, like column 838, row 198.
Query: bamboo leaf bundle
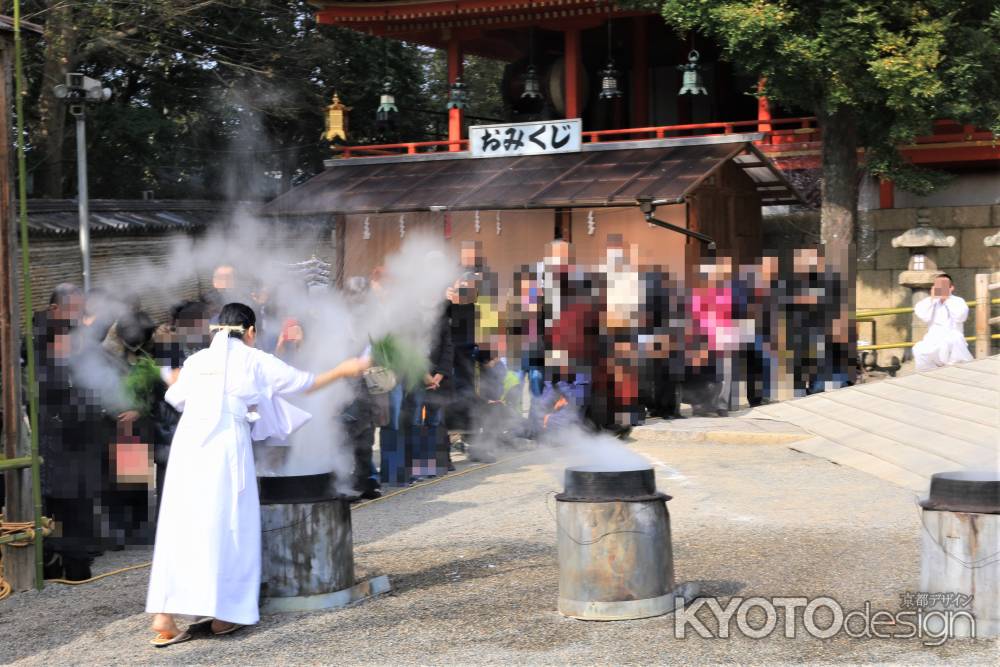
column 401, row 358
column 140, row 385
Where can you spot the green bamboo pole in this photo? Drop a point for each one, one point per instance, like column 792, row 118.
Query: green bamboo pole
column 29, row 306
column 16, row 464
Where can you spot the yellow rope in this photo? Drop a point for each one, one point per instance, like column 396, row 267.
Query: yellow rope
column 100, row 576
column 435, row 481
column 13, row 528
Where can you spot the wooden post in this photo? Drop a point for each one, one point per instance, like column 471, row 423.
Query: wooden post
column 982, row 315
column 572, row 73
column 19, row 563
column 640, row 72
column 339, row 249
column 454, row 115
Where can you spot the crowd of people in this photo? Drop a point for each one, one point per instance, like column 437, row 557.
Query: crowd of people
column 614, row 342
column 603, row 346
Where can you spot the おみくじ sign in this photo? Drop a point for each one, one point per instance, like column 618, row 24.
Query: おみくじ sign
column 512, row 139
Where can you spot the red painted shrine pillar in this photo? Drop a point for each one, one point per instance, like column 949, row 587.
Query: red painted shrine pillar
column 763, row 110
column 640, row 72
column 572, row 73
column 455, row 116
column 886, row 194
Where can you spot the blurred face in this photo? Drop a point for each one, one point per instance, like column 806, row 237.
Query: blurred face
column 724, row 268
column 192, row 329
column 769, row 268
column 224, row 277
column 942, row 286
column 71, row 309
column 469, row 257
column 558, row 253
column 806, row 260
column 615, row 254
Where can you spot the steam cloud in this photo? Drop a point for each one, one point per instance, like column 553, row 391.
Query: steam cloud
column 335, row 327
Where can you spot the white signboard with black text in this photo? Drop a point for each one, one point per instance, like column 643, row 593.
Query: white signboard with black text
column 513, row 139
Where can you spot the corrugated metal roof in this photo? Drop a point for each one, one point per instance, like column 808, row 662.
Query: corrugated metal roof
column 613, row 177
column 54, row 217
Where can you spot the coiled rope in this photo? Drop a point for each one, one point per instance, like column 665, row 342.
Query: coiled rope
column 8, row 528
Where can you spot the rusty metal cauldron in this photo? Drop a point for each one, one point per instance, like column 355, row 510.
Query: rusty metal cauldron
column 615, row 556
column 308, row 546
column 960, row 545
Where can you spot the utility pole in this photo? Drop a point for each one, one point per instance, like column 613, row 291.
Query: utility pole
column 78, row 91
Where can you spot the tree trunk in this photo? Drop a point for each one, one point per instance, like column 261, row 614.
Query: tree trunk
column 838, row 216
column 60, row 40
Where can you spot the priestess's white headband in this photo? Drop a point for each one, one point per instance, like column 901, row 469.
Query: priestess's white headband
column 231, row 328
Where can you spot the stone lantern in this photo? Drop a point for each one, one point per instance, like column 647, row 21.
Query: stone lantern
column 923, row 242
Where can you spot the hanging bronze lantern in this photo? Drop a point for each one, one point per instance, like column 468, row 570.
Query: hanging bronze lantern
column 532, row 86
column 385, row 115
column 458, row 97
column 610, row 88
column 692, row 82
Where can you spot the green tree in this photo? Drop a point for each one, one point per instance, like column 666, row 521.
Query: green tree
column 876, row 74
column 212, row 98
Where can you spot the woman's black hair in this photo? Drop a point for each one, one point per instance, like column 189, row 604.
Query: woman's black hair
column 136, row 329
column 238, row 315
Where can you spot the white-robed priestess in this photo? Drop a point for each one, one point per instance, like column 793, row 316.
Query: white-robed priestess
column 206, row 561
column 944, row 342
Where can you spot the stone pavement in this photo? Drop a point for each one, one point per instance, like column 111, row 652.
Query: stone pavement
column 473, row 565
column 904, row 429
column 738, row 428
column 901, row 429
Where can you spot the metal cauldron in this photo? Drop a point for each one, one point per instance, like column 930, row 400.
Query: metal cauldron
column 307, row 546
column 960, row 548
column 615, row 556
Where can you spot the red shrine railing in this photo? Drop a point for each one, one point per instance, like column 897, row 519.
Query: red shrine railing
column 782, row 130
column 782, row 137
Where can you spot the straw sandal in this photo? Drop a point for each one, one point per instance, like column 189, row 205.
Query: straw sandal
column 227, row 629
column 169, row 639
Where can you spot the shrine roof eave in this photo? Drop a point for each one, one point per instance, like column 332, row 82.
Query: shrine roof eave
column 461, row 13
column 619, row 175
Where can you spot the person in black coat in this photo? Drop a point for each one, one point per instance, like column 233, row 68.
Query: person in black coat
column 73, row 432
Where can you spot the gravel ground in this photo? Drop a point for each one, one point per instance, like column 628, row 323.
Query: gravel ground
column 475, row 578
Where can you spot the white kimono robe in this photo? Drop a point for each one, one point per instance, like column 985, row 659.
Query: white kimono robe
column 944, row 343
column 206, row 561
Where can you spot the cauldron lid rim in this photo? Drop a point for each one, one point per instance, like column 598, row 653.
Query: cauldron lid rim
column 608, row 469
column 976, row 491
column 968, row 476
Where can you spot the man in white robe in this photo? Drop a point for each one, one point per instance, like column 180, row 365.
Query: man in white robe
column 945, row 314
